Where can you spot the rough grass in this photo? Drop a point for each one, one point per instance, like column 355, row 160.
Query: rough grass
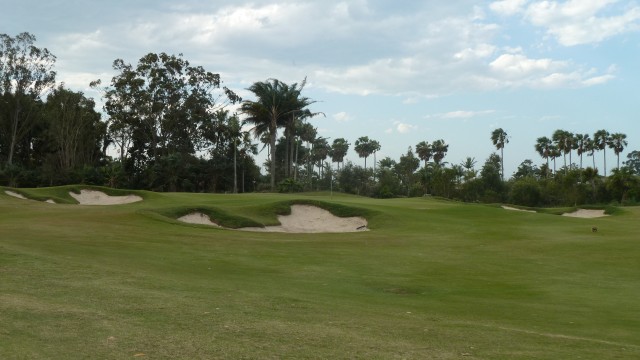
column 432, row 280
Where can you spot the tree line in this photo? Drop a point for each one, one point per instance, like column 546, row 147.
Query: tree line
column 172, row 129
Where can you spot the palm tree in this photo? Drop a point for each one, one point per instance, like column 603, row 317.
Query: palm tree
column 275, row 105
column 563, row 141
column 339, row 150
column 600, row 141
column 468, row 164
column 554, row 153
column 582, row 145
column 590, row 148
column 374, row 147
column 424, row 151
column 617, row 142
column 363, row 148
column 440, row 149
column 543, row 147
column 499, row 138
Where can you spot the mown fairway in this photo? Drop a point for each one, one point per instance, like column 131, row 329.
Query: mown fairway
column 431, row 280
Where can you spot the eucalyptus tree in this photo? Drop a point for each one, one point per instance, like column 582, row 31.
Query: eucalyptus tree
column 25, row 76
column 424, row 151
column 339, row 149
column 499, row 138
column 600, row 142
column 617, row 142
column 544, row 146
column 74, row 131
column 439, row 148
column 164, row 100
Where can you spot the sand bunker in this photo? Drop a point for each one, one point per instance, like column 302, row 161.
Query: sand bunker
column 584, row 213
column 15, row 194
column 516, row 209
column 92, row 197
column 198, row 218
column 311, row 219
column 20, row 196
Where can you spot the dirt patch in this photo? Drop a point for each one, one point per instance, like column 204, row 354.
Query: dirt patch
column 92, row 197
column 312, row 219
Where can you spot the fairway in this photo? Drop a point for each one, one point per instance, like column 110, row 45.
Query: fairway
column 431, row 279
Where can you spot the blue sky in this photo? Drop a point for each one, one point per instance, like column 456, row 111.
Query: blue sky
column 399, row 72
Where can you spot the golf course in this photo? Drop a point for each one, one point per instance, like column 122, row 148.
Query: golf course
column 426, row 278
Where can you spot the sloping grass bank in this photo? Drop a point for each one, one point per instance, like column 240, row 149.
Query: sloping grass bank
column 432, row 280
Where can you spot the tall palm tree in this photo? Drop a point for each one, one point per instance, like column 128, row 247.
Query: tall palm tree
column 374, row 146
column 563, row 141
column 440, row 149
column 618, row 142
column 543, row 147
column 275, row 105
column 499, row 138
column 582, row 145
column 424, row 151
column 363, row 148
column 554, row 153
column 339, row 150
column 600, row 141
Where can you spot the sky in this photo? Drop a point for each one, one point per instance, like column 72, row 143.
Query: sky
column 399, row 72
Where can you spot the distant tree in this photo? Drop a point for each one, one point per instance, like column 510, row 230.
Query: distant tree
column 276, row 103
column 617, row 142
column 600, row 142
column 525, row 169
column 424, row 151
column 439, row 148
column 374, row 148
column 633, row 161
column 339, row 150
column 544, row 148
column 25, row 75
column 621, row 182
column 582, row 145
column 406, row 167
column 320, row 152
column 469, row 165
column 75, row 132
column 363, row 148
column 499, row 138
column 563, row 141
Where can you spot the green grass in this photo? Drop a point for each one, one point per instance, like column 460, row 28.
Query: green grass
column 432, row 280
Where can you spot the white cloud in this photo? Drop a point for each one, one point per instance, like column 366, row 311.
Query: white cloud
column 404, row 128
column 508, row 7
column 516, row 65
column 465, row 114
column 577, row 22
column 341, row 117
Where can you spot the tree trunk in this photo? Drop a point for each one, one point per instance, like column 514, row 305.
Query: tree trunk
column 273, row 153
